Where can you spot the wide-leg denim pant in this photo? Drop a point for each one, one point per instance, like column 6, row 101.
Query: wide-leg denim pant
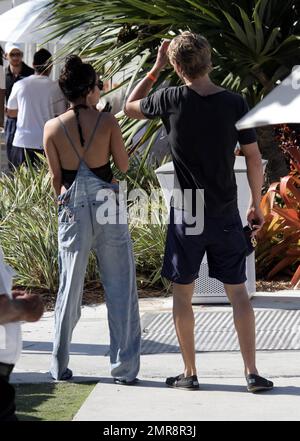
column 82, row 228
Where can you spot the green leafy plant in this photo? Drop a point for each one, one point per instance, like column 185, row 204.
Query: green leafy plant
column 149, row 236
column 28, row 228
column 255, row 43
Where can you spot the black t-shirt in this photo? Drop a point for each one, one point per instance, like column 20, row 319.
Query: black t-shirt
column 202, row 137
column 11, row 79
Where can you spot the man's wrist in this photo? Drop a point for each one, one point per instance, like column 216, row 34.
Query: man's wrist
column 155, row 71
column 254, row 206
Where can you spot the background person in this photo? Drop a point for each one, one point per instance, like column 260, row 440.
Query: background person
column 34, row 100
column 14, row 307
column 2, row 88
column 15, row 71
column 200, row 118
column 94, row 98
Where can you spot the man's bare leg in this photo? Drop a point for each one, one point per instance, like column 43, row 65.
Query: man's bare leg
column 184, row 321
column 244, row 321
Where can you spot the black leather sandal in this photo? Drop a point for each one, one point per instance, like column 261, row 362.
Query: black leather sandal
column 126, row 382
column 255, row 383
column 182, row 382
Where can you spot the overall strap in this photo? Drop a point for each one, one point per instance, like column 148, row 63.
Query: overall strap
column 69, row 138
column 93, row 133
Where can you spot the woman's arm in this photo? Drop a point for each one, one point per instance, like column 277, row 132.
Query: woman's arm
column 52, row 157
column 117, row 146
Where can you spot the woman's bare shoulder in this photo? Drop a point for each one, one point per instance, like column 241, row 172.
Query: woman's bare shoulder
column 52, row 124
column 109, row 119
column 52, row 130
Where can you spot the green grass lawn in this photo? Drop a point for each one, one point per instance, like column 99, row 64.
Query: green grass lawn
column 50, row 401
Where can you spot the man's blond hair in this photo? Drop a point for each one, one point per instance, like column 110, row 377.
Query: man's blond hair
column 192, row 53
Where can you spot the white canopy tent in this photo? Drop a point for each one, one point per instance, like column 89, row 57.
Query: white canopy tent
column 23, row 24
column 281, row 105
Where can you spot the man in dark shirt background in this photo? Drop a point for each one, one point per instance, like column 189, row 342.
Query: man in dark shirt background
column 15, row 71
column 200, row 118
column 2, row 88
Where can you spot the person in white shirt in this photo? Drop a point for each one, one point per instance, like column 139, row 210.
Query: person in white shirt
column 14, row 307
column 35, row 100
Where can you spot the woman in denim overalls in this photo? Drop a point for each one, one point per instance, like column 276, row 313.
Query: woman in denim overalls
column 78, row 145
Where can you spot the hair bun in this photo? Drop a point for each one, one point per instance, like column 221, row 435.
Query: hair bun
column 72, row 61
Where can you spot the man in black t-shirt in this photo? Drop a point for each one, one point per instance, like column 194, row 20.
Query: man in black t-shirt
column 200, row 118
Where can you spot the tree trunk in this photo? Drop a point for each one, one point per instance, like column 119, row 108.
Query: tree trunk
column 277, row 166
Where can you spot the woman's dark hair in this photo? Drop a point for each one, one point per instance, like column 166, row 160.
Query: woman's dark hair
column 76, row 79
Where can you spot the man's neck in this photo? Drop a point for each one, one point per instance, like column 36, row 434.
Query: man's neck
column 15, row 70
column 203, row 85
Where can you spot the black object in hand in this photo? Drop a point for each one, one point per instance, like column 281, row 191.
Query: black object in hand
column 251, row 241
column 107, row 108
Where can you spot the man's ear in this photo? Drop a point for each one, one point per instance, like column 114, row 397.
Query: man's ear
column 177, row 69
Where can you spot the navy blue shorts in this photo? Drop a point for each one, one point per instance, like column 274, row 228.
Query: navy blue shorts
column 223, row 241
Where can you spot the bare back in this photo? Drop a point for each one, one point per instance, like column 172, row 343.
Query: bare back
column 107, row 142
column 99, row 152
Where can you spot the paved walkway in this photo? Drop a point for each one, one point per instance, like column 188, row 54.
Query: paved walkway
column 222, row 396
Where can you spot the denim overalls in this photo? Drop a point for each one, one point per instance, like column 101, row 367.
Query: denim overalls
column 79, row 231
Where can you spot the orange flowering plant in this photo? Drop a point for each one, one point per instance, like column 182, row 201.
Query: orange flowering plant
column 278, row 251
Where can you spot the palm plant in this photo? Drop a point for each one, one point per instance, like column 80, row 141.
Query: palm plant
column 28, row 228
column 255, row 43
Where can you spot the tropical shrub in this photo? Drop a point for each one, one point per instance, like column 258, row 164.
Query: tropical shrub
column 28, row 228
column 149, row 244
column 279, row 246
column 255, row 44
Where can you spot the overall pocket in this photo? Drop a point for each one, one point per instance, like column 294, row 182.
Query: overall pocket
column 68, row 229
